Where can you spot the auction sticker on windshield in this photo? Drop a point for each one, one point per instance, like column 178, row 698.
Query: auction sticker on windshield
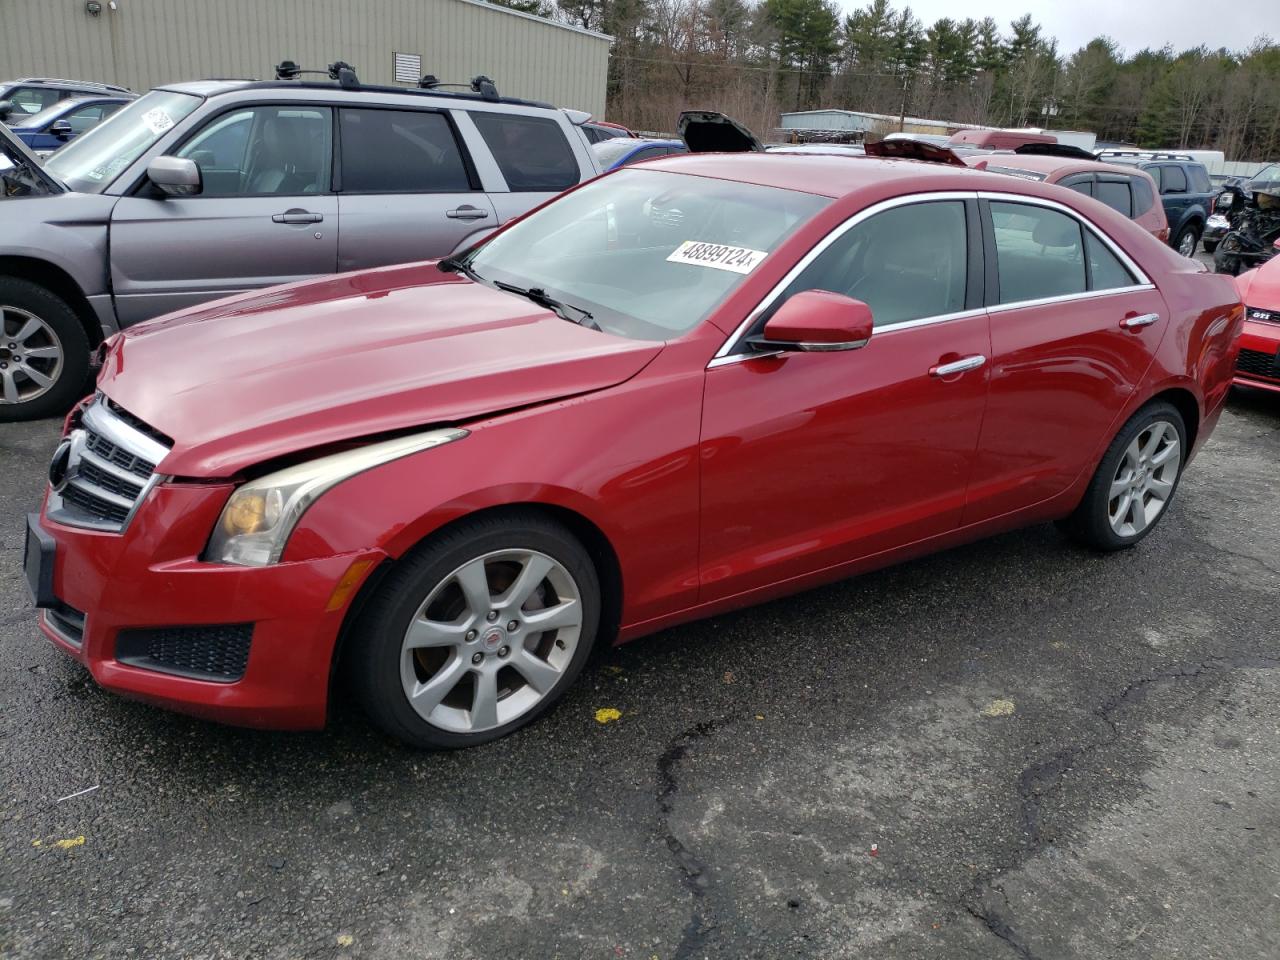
column 157, row 120
column 717, row 255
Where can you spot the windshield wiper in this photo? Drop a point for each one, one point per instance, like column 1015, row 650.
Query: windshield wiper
column 456, row 265
column 542, row 299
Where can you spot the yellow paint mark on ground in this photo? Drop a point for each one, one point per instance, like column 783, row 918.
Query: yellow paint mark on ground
column 998, row 708
column 614, row 671
column 37, row 843
column 345, row 939
column 608, row 715
column 70, row 842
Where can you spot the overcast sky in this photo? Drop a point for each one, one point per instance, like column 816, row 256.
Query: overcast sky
column 1132, row 24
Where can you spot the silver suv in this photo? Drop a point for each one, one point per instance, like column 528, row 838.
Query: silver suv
column 202, row 190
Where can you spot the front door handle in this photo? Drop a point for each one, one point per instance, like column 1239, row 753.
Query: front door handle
column 466, row 212
column 957, row 366
column 1139, row 321
column 297, row 216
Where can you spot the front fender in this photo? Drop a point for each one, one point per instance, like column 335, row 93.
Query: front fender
column 67, row 230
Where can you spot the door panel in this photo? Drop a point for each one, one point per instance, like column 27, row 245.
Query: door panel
column 815, row 459
column 174, row 253
column 1062, row 371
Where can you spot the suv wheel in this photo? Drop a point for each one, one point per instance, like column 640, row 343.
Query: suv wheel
column 1134, row 483
column 477, row 632
column 1187, row 239
column 44, row 353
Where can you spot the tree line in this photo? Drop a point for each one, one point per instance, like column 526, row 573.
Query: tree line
column 754, row 59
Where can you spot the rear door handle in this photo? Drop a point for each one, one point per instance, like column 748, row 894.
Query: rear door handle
column 297, row 216
column 466, row 212
column 957, row 366
column 1139, row 321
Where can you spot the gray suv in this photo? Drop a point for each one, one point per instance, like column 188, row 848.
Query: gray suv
column 202, row 190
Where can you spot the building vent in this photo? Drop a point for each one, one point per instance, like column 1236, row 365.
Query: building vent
column 408, row 67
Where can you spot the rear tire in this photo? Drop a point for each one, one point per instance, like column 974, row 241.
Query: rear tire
column 477, row 632
column 44, row 352
column 1185, row 242
column 1135, row 482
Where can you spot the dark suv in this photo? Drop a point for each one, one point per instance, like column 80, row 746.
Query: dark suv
column 30, row 95
column 1185, row 190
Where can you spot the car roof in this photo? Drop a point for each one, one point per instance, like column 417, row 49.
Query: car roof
column 218, row 87
column 1048, row 165
column 830, row 175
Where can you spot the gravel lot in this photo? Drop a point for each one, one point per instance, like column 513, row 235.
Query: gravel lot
column 1014, row 749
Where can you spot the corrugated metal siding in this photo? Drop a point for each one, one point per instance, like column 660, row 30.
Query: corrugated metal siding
column 149, row 42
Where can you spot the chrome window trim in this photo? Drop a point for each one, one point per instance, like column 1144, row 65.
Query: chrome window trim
column 727, row 355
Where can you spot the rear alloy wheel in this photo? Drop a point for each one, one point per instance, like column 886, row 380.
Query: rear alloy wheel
column 478, row 633
column 1187, row 240
column 44, row 353
column 1135, row 481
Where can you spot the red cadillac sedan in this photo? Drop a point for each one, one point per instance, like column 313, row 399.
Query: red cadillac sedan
column 673, row 391
column 1259, row 362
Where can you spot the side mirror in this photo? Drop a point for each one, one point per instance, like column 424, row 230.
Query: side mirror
column 62, row 129
column 176, row 176
column 6, row 108
column 817, row 320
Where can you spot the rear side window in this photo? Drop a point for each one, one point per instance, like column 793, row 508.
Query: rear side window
column 1105, row 269
column 907, row 263
column 1116, row 195
column 1039, row 252
column 1143, row 197
column 400, row 151
column 532, row 152
column 1173, row 180
column 1155, row 175
column 31, row 100
column 1200, row 179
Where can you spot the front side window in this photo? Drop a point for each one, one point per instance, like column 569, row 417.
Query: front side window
column 1080, row 184
column 85, row 118
column 91, row 162
column 1116, row 195
column 264, row 151
column 907, row 263
column 532, row 152
column 1039, row 252
column 648, row 253
column 400, row 151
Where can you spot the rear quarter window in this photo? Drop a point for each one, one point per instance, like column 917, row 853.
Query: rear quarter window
column 1200, row 182
column 531, row 152
column 1143, row 196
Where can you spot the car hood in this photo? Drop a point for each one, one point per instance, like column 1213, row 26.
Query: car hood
column 1260, row 287
column 21, row 169
column 264, row 375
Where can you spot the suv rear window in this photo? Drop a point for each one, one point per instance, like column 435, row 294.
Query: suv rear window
column 532, row 152
column 1173, row 180
column 400, row 151
column 1143, row 197
column 1200, row 179
column 1116, row 195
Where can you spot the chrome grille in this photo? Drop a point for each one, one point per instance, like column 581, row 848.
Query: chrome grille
column 103, row 469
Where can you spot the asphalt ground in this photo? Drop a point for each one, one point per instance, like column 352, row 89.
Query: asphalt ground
column 1016, row 749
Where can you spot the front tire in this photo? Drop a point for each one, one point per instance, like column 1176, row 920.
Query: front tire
column 477, row 632
column 44, row 352
column 1135, row 482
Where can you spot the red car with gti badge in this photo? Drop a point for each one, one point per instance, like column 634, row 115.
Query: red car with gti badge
column 676, row 390
column 1259, row 362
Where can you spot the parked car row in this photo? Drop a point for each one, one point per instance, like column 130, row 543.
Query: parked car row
column 687, row 385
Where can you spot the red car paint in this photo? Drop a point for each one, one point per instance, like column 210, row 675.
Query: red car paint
column 1260, row 291
column 709, row 486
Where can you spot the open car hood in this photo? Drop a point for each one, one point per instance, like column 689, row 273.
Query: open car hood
column 705, row 131
column 246, row 380
column 21, row 174
column 914, row 150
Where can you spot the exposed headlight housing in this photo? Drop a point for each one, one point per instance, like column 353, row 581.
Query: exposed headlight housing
column 256, row 522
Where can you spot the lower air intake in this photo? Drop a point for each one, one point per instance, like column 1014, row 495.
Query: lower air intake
column 219, row 653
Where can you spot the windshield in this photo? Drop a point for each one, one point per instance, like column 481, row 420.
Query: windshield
column 92, row 160
column 1268, row 176
column 647, row 253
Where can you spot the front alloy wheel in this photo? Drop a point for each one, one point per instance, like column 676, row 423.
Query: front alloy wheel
column 476, row 632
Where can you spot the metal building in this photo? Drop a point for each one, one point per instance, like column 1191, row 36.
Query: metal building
column 143, row 43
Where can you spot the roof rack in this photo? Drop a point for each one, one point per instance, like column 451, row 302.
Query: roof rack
column 1145, row 154
column 480, row 87
column 79, row 83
